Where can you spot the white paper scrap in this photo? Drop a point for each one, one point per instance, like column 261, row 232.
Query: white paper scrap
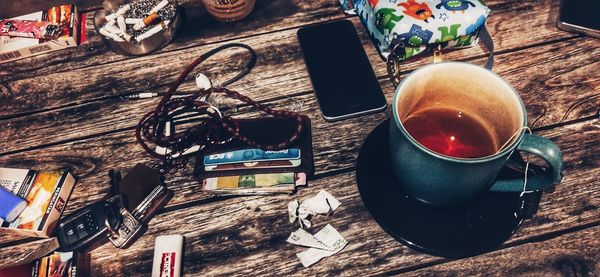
column 305, row 223
column 322, row 203
column 330, row 237
column 293, row 210
column 304, row 238
column 332, row 201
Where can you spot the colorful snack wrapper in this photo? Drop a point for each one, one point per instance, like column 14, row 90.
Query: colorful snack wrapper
column 29, row 29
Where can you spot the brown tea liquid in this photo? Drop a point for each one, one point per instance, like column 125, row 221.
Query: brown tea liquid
column 451, row 132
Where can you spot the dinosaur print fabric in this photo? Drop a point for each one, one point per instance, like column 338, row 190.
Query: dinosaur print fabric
column 410, row 27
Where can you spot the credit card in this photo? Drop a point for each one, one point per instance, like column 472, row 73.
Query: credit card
column 270, row 181
column 248, row 181
column 253, row 165
column 251, row 155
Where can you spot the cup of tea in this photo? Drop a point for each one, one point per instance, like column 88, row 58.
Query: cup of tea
column 454, row 127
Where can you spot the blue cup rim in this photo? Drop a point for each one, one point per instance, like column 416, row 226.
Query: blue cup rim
column 496, row 155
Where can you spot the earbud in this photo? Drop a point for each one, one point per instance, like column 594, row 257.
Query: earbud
column 202, row 82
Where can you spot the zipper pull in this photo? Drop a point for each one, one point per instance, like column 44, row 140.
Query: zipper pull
column 393, row 67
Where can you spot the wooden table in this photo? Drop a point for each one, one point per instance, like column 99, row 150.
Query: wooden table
column 65, row 110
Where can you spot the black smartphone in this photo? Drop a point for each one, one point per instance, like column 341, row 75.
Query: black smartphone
column 340, row 72
column 580, row 16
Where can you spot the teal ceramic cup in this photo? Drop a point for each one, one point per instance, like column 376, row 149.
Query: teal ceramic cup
column 443, row 180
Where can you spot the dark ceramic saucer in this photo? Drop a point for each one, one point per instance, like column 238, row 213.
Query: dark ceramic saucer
column 471, row 229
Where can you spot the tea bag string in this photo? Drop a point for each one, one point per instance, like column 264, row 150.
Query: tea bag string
column 527, row 130
column 524, row 190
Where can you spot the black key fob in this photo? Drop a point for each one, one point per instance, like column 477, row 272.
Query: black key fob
column 85, row 225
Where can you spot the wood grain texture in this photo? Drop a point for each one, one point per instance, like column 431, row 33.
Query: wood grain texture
column 335, row 147
column 576, row 201
column 24, row 253
column 246, row 236
column 64, row 111
column 198, row 29
column 572, row 254
column 112, row 76
column 281, row 73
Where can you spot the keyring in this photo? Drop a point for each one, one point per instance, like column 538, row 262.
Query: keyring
column 110, row 230
column 393, row 66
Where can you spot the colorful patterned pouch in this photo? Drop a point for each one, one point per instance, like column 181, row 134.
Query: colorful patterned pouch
column 402, row 29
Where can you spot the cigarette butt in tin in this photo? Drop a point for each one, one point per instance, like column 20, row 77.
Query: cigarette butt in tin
column 113, row 29
column 153, row 30
column 147, row 21
column 123, row 28
column 126, row 36
column 110, row 35
column 132, row 21
column 121, row 22
column 121, row 11
column 159, row 6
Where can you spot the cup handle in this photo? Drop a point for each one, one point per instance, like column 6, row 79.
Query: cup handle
column 544, row 149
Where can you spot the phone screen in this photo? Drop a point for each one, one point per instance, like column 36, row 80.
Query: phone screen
column 340, row 72
column 583, row 13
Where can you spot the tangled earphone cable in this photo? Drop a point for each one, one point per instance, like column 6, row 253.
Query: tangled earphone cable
column 211, row 127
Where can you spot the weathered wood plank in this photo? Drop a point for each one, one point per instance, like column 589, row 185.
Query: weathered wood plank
column 19, row 254
column 247, row 235
column 56, row 86
column 572, row 254
column 199, row 28
column 244, row 236
column 335, row 147
column 282, row 72
column 226, row 236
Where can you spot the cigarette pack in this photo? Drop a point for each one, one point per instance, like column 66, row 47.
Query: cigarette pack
column 46, row 192
column 73, row 33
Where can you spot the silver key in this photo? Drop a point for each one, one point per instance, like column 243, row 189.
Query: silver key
column 155, row 200
column 133, row 223
column 129, row 230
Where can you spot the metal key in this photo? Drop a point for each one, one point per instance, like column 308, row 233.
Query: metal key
column 133, row 224
column 129, row 230
column 159, row 196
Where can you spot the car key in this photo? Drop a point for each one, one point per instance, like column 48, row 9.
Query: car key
column 85, row 225
column 134, row 223
column 129, row 230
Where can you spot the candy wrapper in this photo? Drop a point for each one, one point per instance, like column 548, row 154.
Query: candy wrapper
column 66, row 17
column 29, row 29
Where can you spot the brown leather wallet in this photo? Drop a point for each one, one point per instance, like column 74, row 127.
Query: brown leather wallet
column 269, row 130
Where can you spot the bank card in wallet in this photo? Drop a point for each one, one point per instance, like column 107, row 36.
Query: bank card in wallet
column 255, row 183
column 254, row 165
column 236, row 168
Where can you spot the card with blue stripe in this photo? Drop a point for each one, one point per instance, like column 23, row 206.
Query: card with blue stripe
column 251, row 155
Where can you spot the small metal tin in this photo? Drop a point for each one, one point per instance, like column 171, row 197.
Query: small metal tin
column 153, row 43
